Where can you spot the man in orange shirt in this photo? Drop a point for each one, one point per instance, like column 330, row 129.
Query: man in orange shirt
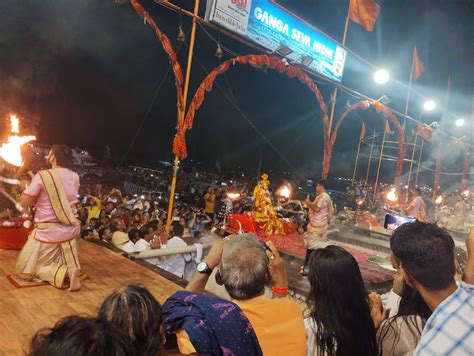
column 210, row 202
column 244, row 269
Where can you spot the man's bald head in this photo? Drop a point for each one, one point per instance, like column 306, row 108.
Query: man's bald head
column 244, row 267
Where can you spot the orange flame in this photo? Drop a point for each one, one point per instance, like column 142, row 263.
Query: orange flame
column 392, row 195
column 10, row 151
column 233, row 196
column 284, row 192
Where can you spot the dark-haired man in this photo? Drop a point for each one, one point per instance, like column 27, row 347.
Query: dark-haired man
column 425, row 254
column 320, row 212
column 50, row 253
column 176, row 263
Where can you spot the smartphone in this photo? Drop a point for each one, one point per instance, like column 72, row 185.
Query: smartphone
column 309, row 252
column 393, row 221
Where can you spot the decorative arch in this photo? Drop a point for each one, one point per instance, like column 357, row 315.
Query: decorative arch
column 364, row 105
column 256, row 61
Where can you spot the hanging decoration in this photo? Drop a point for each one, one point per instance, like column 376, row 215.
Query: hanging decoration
column 426, row 132
column 364, row 105
column 173, row 58
column 256, row 61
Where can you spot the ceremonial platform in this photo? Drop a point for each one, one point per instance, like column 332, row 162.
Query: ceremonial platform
column 26, row 310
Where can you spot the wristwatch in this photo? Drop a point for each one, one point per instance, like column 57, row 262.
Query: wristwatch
column 204, row 268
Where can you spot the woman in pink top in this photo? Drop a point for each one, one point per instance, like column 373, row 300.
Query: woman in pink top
column 51, row 251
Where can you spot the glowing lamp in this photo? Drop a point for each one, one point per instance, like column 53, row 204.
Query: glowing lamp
column 381, row 76
column 460, row 122
column 429, row 105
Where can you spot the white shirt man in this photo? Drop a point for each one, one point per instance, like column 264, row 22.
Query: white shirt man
column 176, row 263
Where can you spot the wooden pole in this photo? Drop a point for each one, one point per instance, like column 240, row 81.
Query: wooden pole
column 439, row 161
column 370, row 158
column 334, row 94
column 419, row 162
column 357, row 160
column 380, row 163
column 183, row 111
column 411, row 162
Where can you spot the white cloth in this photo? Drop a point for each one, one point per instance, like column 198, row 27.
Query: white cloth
column 393, row 303
column 311, row 330
column 175, row 263
column 143, row 245
column 198, row 254
column 128, row 247
column 400, row 335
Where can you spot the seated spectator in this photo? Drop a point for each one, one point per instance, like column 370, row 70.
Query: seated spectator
column 340, row 320
column 198, row 224
column 94, row 224
column 80, row 336
column 87, row 234
column 119, row 237
column 145, row 243
column 134, row 236
column 136, row 312
column 176, row 263
column 425, row 253
column 244, row 270
column 105, row 234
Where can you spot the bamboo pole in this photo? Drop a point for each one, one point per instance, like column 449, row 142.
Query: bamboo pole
column 380, row 162
column 370, row 158
column 357, row 160
column 162, row 252
column 411, row 162
column 419, row 162
column 183, row 111
column 334, row 94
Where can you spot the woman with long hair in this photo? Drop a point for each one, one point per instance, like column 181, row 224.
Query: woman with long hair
column 134, row 310
column 400, row 334
column 340, row 320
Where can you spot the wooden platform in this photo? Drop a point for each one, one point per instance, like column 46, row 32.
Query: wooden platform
column 26, row 310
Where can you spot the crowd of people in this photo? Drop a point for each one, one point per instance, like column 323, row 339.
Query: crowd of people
column 430, row 312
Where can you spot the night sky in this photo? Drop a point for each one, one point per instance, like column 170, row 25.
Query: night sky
column 87, row 71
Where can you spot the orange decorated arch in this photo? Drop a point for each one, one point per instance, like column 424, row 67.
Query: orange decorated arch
column 364, row 105
column 256, row 61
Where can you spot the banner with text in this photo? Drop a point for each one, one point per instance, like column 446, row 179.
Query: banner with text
column 270, row 26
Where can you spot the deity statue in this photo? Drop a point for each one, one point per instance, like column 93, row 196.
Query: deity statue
column 264, row 212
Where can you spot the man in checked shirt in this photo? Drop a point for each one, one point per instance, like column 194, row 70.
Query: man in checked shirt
column 426, row 256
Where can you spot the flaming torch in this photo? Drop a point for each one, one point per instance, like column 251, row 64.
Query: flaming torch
column 466, row 193
column 392, row 195
column 10, row 151
column 284, row 192
column 439, row 200
column 233, row 196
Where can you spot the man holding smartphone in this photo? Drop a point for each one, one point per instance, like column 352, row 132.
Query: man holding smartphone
column 320, row 212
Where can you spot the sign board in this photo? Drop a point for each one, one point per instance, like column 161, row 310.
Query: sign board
column 275, row 29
